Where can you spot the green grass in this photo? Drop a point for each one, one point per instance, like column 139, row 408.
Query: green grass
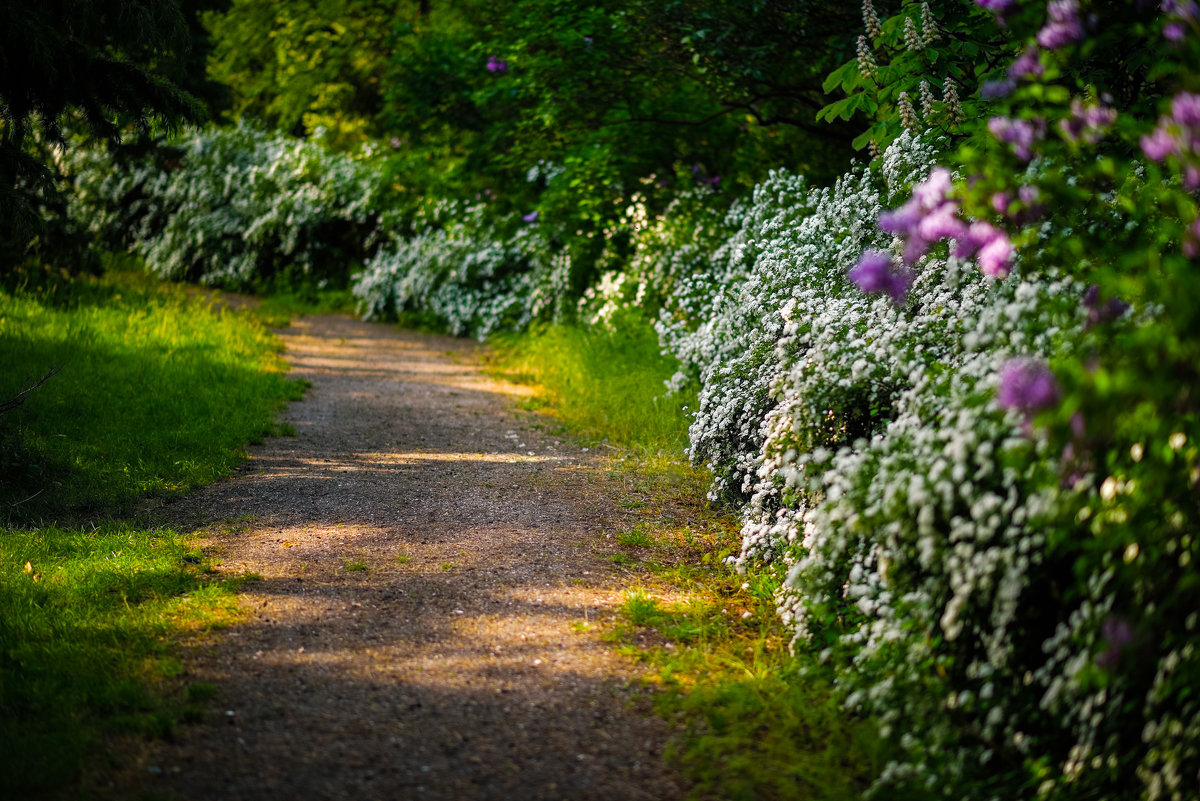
column 159, row 390
column 279, row 307
column 88, row 621
column 603, row 384
column 752, row 723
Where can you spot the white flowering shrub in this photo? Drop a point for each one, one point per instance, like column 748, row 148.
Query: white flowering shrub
column 667, row 249
column 787, row 261
column 473, row 272
column 970, row 577
column 232, row 207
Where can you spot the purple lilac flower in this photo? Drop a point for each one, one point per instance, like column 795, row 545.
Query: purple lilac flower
column 1118, row 636
column 942, row 223
column 1020, row 134
column 979, row 234
column 1180, row 13
column 1191, row 240
column 1029, row 195
column 876, row 273
column 1159, row 143
column 1027, row 65
column 1087, row 124
column 902, row 220
column 1028, row 210
column 991, row 90
column 530, row 217
column 1183, row 9
column 1063, row 27
column 1099, row 313
column 995, row 258
column 1028, row 386
column 1178, row 135
column 997, row 7
column 1185, row 108
column 990, row 245
column 495, row 64
column 929, row 198
column 932, row 192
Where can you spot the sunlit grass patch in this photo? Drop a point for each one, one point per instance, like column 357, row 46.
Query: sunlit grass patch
column 88, row 620
column 159, row 390
column 604, row 384
column 751, row 723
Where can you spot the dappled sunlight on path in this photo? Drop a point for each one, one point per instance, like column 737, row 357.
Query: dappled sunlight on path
column 431, row 564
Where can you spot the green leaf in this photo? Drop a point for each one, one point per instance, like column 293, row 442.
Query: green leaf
column 866, row 137
column 842, row 76
column 843, row 108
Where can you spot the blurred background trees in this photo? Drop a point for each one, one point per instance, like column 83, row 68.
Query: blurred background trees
column 97, row 68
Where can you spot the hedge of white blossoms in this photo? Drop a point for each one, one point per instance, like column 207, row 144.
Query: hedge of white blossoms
column 893, row 475
column 232, row 207
column 466, row 268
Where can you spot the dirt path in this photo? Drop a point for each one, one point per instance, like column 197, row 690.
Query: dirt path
column 428, row 559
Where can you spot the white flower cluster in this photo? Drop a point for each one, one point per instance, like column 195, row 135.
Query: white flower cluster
column 232, row 207
column 735, row 323
column 468, row 272
column 668, row 249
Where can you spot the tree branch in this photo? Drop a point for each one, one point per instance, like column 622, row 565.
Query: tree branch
column 19, row 399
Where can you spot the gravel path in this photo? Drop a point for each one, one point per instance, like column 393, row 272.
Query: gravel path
column 429, row 560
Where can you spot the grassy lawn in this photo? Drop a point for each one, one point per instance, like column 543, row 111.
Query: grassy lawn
column 159, row 390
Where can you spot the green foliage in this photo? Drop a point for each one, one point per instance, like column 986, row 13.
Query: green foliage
column 935, row 54
column 607, row 94
column 307, row 65
column 158, row 392
column 86, row 618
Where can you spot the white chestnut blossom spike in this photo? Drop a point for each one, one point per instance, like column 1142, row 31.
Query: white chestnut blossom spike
column 866, row 58
column 912, row 39
column 929, row 28
column 953, row 105
column 908, row 115
column 926, row 99
column 871, row 20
